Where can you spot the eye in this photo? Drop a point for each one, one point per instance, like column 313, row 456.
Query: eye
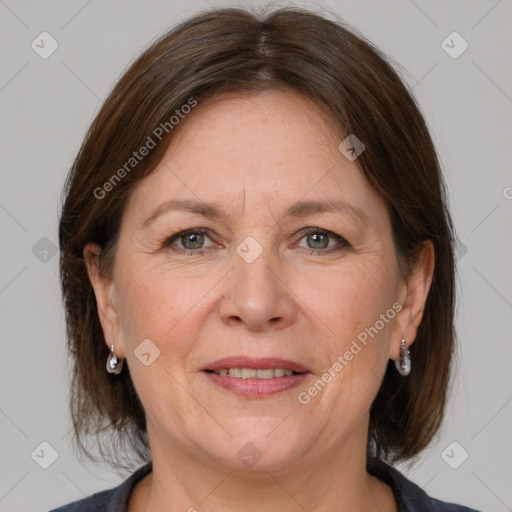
column 318, row 240
column 192, row 241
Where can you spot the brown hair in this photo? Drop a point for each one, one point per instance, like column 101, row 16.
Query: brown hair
column 233, row 50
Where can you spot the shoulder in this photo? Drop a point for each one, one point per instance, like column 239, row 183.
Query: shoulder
column 409, row 496
column 111, row 500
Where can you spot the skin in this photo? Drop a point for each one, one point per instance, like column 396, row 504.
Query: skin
column 256, row 155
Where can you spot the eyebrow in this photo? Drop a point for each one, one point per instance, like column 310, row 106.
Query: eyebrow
column 215, row 212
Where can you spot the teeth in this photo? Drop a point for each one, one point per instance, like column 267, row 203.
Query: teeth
column 247, row 373
column 250, row 373
column 267, row 374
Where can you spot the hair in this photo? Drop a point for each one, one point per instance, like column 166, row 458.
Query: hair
column 232, row 50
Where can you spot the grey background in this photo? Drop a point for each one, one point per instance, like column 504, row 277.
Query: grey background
column 47, row 104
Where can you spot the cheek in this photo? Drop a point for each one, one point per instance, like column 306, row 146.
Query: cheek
column 354, row 348
column 145, row 308
column 355, row 319
column 162, row 305
column 351, row 299
column 159, row 306
column 154, row 301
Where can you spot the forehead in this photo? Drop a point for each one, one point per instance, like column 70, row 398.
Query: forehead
column 272, row 148
column 283, row 122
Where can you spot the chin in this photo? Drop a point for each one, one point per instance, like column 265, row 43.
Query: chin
column 258, row 450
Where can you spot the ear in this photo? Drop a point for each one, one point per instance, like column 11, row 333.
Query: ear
column 104, row 291
column 413, row 296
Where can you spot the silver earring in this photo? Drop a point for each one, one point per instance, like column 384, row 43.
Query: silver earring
column 403, row 365
column 114, row 365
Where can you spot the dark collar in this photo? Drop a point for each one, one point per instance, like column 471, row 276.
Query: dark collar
column 409, row 497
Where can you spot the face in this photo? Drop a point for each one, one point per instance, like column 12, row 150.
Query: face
column 271, row 280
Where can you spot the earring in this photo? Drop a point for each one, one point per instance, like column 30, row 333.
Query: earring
column 114, row 365
column 403, row 365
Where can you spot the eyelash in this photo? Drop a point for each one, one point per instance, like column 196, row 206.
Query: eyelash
column 343, row 244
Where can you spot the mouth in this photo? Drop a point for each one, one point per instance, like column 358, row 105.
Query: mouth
column 251, row 373
column 255, row 377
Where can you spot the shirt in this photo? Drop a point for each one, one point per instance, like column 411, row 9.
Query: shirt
column 409, row 497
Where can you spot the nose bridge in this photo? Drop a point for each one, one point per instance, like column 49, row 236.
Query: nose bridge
column 256, row 294
column 255, row 266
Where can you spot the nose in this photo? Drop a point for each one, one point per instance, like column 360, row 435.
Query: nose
column 256, row 295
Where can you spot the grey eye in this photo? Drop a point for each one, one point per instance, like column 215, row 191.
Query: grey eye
column 319, row 240
column 192, row 240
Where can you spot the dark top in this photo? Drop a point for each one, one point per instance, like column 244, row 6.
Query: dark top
column 409, row 497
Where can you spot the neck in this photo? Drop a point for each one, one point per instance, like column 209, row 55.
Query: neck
column 334, row 481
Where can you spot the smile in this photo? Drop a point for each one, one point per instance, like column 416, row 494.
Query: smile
column 251, row 373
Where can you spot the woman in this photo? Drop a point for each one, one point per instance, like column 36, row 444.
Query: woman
column 255, row 238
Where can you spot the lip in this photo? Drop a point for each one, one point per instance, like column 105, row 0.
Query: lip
column 256, row 363
column 256, row 388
